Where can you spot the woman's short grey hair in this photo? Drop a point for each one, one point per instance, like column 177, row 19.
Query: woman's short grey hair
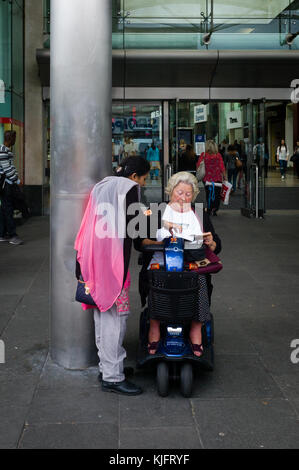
column 182, row 177
column 211, row 147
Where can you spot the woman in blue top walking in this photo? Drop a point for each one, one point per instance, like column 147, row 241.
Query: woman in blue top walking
column 153, row 156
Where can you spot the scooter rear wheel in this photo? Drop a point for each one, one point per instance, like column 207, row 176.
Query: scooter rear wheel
column 163, row 379
column 186, row 379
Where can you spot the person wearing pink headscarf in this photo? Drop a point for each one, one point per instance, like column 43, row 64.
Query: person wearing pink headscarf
column 103, row 253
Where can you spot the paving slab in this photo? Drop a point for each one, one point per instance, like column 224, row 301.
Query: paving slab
column 12, row 418
column 295, row 403
column 73, row 405
column 25, row 355
column 229, row 338
column 152, row 411
column 54, row 376
column 270, row 304
column 246, row 423
column 284, row 373
column 8, row 304
column 22, row 281
column 272, row 336
column 175, row 437
column 70, row 436
column 236, row 376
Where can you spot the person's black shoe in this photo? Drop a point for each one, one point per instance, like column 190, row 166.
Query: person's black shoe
column 128, row 371
column 123, row 388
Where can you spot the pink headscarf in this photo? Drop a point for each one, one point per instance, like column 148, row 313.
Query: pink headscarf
column 100, row 239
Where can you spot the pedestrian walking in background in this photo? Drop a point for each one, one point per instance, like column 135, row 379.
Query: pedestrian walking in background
column 8, row 178
column 153, row 156
column 230, row 164
column 237, row 147
column 282, row 155
column 129, row 147
column 214, row 175
column 187, row 161
column 223, row 148
column 182, row 146
column 295, row 158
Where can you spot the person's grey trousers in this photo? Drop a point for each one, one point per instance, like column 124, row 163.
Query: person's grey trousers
column 110, row 328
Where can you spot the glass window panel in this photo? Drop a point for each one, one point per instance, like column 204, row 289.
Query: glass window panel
column 118, row 33
column 251, row 41
column 162, row 41
column 46, row 15
column 253, row 9
column 5, row 43
column 17, row 113
column 116, row 8
column 219, row 40
column 135, row 126
column 148, row 26
column 5, row 113
column 17, row 107
column 164, row 9
column 17, row 48
column 18, row 148
column 5, row 67
column 5, row 108
column 194, row 8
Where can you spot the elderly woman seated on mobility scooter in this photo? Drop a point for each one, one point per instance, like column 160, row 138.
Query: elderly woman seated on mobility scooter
column 179, row 220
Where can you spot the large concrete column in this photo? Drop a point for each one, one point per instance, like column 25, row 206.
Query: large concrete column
column 81, row 72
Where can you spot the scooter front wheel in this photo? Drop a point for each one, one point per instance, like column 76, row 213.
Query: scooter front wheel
column 163, row 379
column 186, row 379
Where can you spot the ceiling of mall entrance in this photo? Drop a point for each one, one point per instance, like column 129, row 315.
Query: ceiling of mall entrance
column 223, row 9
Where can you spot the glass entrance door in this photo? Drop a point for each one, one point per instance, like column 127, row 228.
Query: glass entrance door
column 173, row 142
column 255, row 151
column 137, row 130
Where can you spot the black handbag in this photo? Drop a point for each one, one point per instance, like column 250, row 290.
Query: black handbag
column 19, row 200
column 2, row 181
column 82, row 293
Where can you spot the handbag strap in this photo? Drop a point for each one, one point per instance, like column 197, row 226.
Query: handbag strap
column 211, row 194
column 203, row 158
column 78, row 270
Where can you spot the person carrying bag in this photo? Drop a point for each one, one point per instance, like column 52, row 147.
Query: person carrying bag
column 210, row 165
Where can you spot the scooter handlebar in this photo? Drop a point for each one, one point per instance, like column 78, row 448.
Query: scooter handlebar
column 152, row 248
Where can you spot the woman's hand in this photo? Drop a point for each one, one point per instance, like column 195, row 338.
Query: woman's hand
column 209, row 241
column 170, row 226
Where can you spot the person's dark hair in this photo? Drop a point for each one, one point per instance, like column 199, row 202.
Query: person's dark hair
column 189, row 148
column 10, row 137
column 282, row 145
column 131, row 165
column 189, row 152
column 230, row 148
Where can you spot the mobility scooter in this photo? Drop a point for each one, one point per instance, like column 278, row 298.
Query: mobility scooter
column 174, row 300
